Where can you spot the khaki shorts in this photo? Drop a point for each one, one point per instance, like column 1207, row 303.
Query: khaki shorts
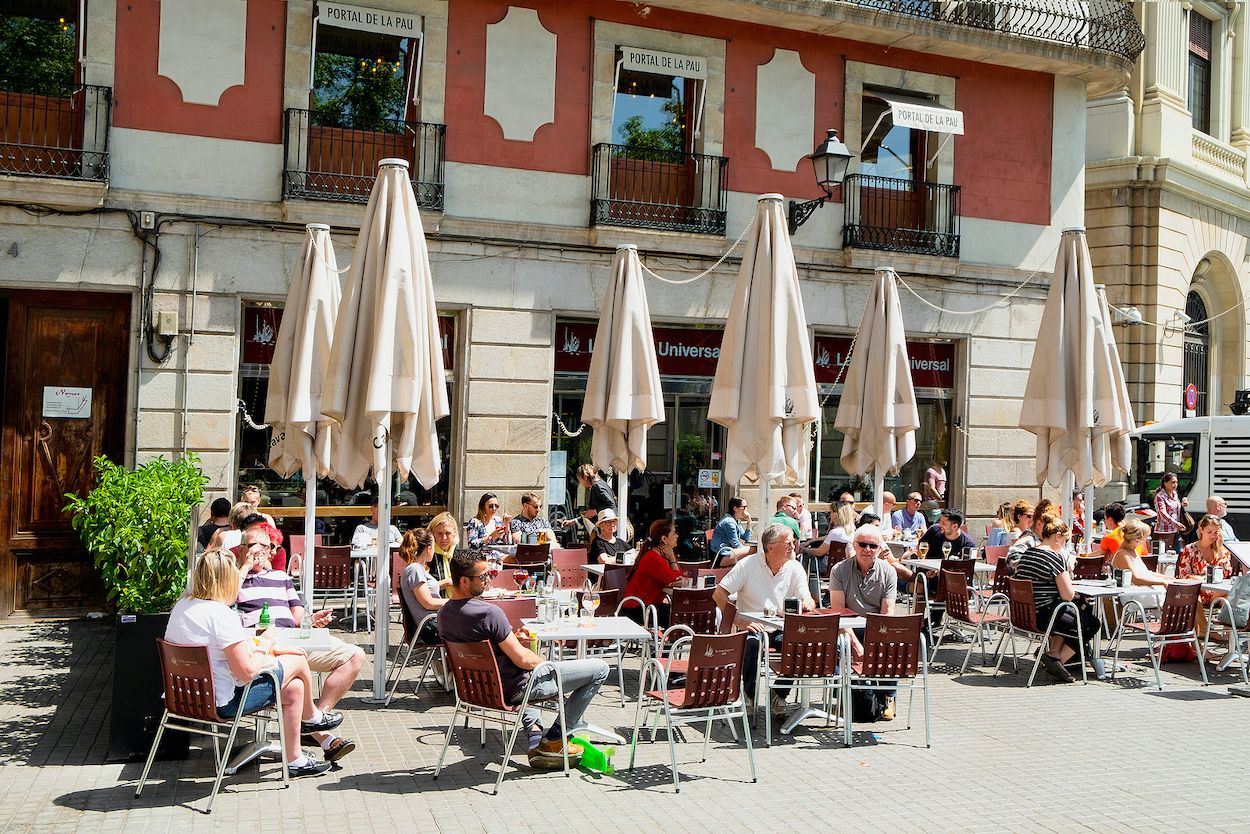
column 327, row 660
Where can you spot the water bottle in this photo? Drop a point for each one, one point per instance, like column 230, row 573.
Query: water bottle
column 305, row 626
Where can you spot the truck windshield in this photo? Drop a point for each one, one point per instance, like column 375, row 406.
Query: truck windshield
column 1166, row 453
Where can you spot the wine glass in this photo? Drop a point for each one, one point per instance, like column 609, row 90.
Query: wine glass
column 519, row 576
column 946, row 550
column 922, row 550
column 591, row 601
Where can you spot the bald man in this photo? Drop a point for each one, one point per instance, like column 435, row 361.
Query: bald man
column 1217, row 507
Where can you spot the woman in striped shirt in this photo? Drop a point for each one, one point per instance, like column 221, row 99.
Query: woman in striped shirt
column 1046, row 566
column 1168, row 509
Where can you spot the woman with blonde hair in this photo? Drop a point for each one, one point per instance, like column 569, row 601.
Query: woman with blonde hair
column 203, row 618
column 445, row 531
column 1126, row 558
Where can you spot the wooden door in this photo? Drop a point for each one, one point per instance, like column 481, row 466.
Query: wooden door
column 57, row 340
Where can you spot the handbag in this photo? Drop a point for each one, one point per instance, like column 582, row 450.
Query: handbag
column 1237, row 612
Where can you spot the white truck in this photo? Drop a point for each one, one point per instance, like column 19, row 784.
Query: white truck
column 1210, row 456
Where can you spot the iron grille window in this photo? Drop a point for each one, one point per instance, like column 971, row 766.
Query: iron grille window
column 1197, row 350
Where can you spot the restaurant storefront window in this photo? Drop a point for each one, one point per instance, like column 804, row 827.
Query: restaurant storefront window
column 933, row 376
column 684, row 453
column 340, row 509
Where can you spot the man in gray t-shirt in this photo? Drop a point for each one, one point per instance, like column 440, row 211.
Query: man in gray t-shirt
column 863, row 583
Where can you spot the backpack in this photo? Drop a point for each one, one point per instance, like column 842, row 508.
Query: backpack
column 867, row 706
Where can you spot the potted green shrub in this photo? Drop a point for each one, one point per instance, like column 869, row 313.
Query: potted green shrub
column 136, row 524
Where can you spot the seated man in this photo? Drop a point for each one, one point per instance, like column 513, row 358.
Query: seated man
column 219, row 520
column 264, row 586
column 465, row 618
column 788, row 515
column 866, row 585
column 1217, row 508
column 1113, row 517
column 909, row 519
column 948, row 530
column 366, row 535
column 251, row 497
column 731, row 537
column 529, row 522
column 770, row 576
column 888, row 503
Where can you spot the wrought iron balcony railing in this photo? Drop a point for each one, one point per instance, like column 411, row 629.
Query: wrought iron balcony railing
column 896, row 215
column 54, row 129
column 1098, row 25
column 326, row 161
column 652, row 188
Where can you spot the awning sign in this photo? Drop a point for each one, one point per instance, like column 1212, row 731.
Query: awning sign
column 922, row 114
column 663, row 63
column 369, row 20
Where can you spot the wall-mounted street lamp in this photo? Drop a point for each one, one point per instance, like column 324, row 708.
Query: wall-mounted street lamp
column 830, row 160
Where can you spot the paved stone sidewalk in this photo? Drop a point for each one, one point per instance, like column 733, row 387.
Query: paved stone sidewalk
column 1103, row 757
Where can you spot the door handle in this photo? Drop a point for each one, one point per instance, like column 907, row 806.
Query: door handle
column 42, row 436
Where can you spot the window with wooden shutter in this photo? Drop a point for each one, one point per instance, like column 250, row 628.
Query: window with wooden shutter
column 1200, row 71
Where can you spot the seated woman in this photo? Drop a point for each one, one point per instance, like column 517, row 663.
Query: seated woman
column 606, row 547
column 1001, row 526
column 1207, row 551
column 204, row 618
column 1030, row 531
column 655, row 572
column 1046, row 566
column 1127, row 558
column 419, row 590
column 446, row 532
column 487, row 527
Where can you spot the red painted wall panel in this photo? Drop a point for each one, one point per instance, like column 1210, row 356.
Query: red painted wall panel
column 145, row 100
column 1002, row 163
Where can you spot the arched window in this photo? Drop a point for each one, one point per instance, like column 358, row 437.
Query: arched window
column 1197, row 349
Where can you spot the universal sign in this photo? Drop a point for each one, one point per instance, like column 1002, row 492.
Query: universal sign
column 369, row 20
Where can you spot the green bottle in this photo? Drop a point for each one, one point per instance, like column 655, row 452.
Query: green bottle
column 595, row 759
column 262, row 625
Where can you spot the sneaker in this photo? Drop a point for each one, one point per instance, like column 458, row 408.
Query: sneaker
column 311, row 767
column 1056, row 670
column 778, row 704
column 329, row 720
column 548, row 755
column 888, row 713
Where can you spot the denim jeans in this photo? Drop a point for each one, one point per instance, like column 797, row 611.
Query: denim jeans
column 581, row 678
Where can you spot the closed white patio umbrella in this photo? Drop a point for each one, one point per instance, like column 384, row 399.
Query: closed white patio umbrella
column 294, row 406
column 764, row 392
column 623, row 395
column 1075, row 400
column 877, row 412
column 386, row 386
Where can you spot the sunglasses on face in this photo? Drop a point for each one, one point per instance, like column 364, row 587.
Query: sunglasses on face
column 867, row 545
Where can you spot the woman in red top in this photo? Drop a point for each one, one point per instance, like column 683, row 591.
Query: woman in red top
column 655, row 571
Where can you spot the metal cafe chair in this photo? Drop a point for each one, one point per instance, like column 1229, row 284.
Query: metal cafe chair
column 1091, row 567
column 1238, row 642
column 427, row 653
column 1177, row 625
column 808, row 658
column 479, row 693
column 1022, row 611
column 895, row 657
column 190, row 706
column 712, row 691
column 332, row 574
column 959, row 613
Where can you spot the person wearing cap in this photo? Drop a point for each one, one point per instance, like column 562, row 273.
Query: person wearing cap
column 606, row 547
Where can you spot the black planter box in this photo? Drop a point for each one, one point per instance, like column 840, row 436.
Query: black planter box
column 138, row 690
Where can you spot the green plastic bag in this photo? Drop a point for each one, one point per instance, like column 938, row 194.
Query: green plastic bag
column 593, row 758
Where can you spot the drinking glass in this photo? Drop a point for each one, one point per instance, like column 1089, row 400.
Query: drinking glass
column 946, row 550
column 519, row 576
column 591, row 601
column 922, row 550
column 970, row 552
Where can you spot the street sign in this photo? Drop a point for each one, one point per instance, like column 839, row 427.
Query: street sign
column 1191, row 396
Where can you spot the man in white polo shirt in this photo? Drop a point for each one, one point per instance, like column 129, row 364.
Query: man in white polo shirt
column 770, row 576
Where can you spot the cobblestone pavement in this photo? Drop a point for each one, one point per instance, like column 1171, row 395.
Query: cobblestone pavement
column 1103, row 757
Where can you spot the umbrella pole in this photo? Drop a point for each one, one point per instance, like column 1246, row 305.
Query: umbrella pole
column 622, row 501
column 766, row 491
column 878, row 486
column 1069, row 484
column 382, row 587
column 1089, row 516
column 310, row 530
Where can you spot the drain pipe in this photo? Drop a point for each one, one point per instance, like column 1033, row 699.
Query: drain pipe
column 186, row 355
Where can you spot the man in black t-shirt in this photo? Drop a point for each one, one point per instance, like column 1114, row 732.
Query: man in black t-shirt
column 948, row 529
column 467, row 618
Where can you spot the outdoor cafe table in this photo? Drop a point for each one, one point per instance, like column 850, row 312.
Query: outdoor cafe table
column 1098, row 590
column 264, row 745
column 776, row 623
column 934, row 565
column 601, row 628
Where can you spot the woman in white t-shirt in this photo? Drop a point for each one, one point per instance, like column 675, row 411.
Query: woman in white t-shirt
column 204, row 618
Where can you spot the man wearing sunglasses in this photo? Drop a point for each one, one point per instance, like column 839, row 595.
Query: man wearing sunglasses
column 340, row 664
column 466, row 618
column 865, row 584
column 909, row 519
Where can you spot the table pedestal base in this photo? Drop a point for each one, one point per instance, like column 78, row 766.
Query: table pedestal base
column 585, row 728
column 252, row 752
column 804, row 712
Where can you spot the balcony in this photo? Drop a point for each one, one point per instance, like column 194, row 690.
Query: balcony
column 54, row 129
column 653, row 188
column 1099, row 25
column 897, row 215
column 332, row 162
